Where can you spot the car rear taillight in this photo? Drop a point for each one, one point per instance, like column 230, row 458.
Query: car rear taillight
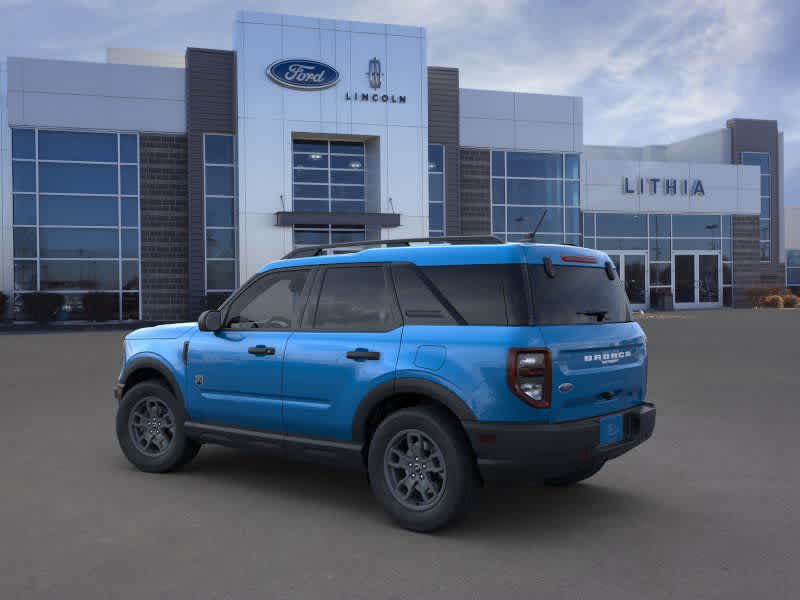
column 529, row 375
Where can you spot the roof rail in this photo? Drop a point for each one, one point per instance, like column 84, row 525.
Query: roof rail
column 453, row 239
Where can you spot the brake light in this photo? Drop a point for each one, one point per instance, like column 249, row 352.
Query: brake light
column 529, row 375
column 588, row 260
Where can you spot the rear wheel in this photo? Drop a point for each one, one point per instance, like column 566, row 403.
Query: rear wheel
column 576, row 475
column 421, row 468
column 150, row 429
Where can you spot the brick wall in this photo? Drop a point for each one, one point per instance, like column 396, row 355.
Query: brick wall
column 165, row 227
column 476, row 207
column 748, row 271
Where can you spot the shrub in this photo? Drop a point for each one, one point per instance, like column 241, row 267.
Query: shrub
column 41, row 306
column 790, row 301
column 773, row 301
column 3, row 306
column 98, row 306
column 758, row 295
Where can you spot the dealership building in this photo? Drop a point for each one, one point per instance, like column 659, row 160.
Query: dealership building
column 168, row 179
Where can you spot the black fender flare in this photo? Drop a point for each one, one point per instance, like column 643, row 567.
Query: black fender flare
column 148, row 362
column 407, row 385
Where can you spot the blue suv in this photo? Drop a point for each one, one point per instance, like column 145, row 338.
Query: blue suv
column 435, row 368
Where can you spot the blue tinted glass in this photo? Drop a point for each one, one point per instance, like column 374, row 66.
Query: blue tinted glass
column 573, row 166
column 530, row 164
column 435, row 158
column 573, row 193
column 23, row 176
column 727, row 249
column 351, row 192
column 78, row 243
column 523, row 219
column 220, row 243
column 346, row 236
column 793, row 258
column 695, row 244
column 77, row 179
column 498, row 163
column 310, row 191
column 219, row 149
column 498, row 191
column 765, row 185
column 77, row 210
column 313, row 175
column 24, row 209
column 130, row 275
column 589, row 242
column 765, row 208
column 319, row 236
column 219, row 212
column 621, row 244
column 221, row 274
column 763, row 228
column 129, row 183
column 436, row 187
column 309, row 146
column 660, row 249
column 219, row 181
column 793, row 277
column 23, row 144
column 621, row 225
column 356, row 177
column 320, row 161
column 128, row 149
column 311, row 205
column 765, row 250
column 347, row 148
column 661, row 274
column 759, row 159
column 726, row 226
column 572, row 238
column 588, row 224
column 25, row 242
column 24, row 275
column 436, row 217
column 660, row 226
column 130, row 212
column 572, row 220
column 74, row 145
column 354, row 206
column 696, row 225
column 498, row 218
column 80, row 275
column 337, row 162
column 130, row 243
column 522, row 191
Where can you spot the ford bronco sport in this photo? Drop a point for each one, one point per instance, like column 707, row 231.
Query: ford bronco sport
column 435, row 368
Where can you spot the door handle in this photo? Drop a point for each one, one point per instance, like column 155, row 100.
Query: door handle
column 261, row 350
column 363, row 354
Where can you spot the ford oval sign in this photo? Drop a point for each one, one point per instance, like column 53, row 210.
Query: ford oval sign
column 303, row 74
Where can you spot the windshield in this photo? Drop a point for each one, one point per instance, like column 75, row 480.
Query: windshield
column 577, row 295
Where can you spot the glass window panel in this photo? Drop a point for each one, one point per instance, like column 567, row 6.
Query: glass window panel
column 765, row 208
column 573, row 166
column 498, row 163
column 531, row 164
column 763, row 229
column 523, row 219
column 436, row 217
column 661, row 274
column 130, row 274
column 311, row 175
column 24, row 209
column 588, row 224
column 77, row 210
column 660, row 226
column 660, row 249
column 315, row 160
column 498, row 218
column 522, row 191
column 793, row 258
column 342, row 236
column 727, row 297
column 220, row 274
column 79, row 275
column 695, row 244
column 219, row 212
column 572, row 220
column 765, row 185
column 498, row 191
column 77, row 145
column 759, row 159
column 311, row 205
column 347, row 148
column 219, row 149
column 436, row 187
column 310, row 191
column 23, row 143
column 572, row 190
column 310, row 146
column 220, row 181
column 220, row 243
column 130, row 212
column 25, row 242
column 354, row 299
column 621, row 244
column 129, row 180
column 589, row 242
column 311, row 237
column 435, row 158
column 793, row 277
column 353, row 177
column 348, row 206
column 696, row 225
column 766, row 251
column 727, row 249
column 348, row 192
column 25, row 275
column 130, row 307
column 23, row 176
column 128, row 148
column 573, row 238
column 727, row 225
column 727, row 273
column 130, row 243
column 343, row 162
column 57, row 242
column 77, row 179
column 624, row 225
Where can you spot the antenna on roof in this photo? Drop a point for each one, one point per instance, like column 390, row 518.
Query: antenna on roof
column 532, row 236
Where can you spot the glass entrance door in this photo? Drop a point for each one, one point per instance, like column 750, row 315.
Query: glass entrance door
column 696, row 279
column 632, row 269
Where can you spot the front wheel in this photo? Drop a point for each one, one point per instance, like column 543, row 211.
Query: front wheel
column 421, row 468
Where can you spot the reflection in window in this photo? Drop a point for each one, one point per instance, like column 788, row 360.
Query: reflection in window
column 761, row 160
column 328, row 176
column 793, row 268
column 219, row 156
column 436, row 194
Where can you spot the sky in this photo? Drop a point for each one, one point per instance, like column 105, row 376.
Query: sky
column 649, row 72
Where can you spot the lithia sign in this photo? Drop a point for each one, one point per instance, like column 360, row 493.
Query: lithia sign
column 306, row 74
column 667, row 186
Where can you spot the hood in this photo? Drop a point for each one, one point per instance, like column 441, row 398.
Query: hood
column 162, row 332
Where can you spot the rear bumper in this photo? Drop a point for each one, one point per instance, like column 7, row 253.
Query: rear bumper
column 530, row 452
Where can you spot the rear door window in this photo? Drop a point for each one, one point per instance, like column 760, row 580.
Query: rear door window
column 356, row 299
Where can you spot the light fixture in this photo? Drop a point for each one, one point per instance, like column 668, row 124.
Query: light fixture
column 316, row 156
column 355, row 164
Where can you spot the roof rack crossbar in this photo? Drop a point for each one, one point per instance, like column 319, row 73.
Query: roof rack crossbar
column 309, row 251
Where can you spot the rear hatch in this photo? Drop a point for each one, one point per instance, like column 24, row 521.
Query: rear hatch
column 598, row 354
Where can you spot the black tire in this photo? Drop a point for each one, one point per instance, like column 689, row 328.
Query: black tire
column 451, row 490
column 172, row 449
column 576, row 475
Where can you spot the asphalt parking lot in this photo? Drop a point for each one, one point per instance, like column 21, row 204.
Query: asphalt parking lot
column 707, row 509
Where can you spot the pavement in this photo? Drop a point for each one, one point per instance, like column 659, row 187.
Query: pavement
column 708, row 508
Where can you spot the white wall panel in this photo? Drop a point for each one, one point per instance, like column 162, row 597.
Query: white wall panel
column 363, row 47
column 486, row 104
column 486, row 133
column 540, row 135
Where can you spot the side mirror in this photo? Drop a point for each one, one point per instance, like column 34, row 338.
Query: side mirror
column 210, row 320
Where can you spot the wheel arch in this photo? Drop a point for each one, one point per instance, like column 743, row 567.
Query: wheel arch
column 146, row 368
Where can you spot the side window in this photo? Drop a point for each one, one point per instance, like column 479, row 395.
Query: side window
column 272, row 302
column 355, row 299
column 419, row 304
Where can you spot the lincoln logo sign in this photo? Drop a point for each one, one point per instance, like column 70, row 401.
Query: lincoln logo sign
column 302, row 74
column 667, row 186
